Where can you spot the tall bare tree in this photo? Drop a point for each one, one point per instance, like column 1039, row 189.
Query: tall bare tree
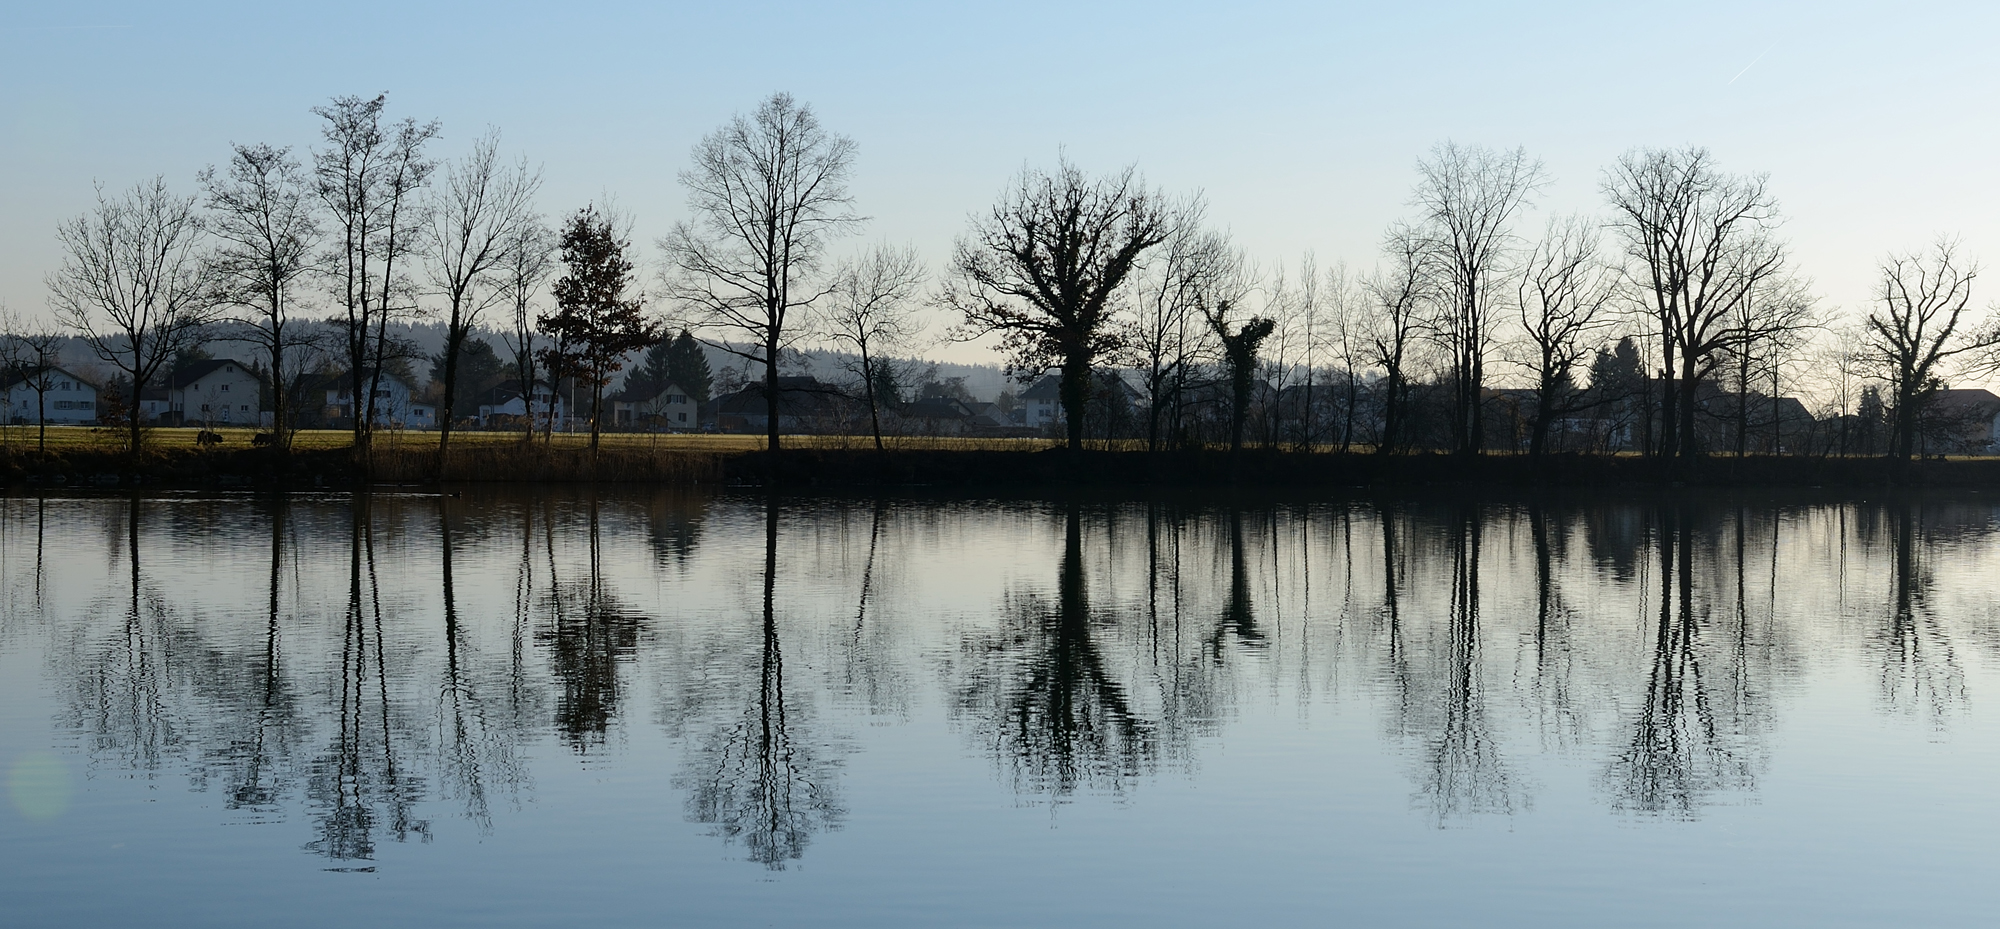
column 871, row 312
column 768, row 191
column 1918, row 326
column 1564, row 291
column 263, row 212
column 1403, row 291
column 367, row 176
column 1699, row 242
column 1040, row 271
column 526, row 260
column 475, row 214
column 1469, row 196
column 1167, row 329
column 134, row 284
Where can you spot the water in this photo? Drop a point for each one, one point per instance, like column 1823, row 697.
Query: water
column 619, row 709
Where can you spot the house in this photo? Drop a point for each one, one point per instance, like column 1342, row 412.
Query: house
column 1963, row 419
column 46, row 393
column 508, row 406
column 670, row 407
column 805, row 405
column 1041, row 403
column 394, row 403
column 211, row 392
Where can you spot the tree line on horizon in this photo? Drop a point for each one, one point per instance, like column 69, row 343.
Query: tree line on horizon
column 1666, row 314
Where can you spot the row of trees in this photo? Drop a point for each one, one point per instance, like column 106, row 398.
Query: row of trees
column 1091, row 277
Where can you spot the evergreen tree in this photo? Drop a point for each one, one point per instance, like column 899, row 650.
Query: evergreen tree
column 687, row 366
column 653, row 373
column 595, row 324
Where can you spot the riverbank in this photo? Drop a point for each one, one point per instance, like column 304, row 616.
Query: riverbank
column 178, row 466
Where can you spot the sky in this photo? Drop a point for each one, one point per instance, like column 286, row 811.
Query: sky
column 1301, row 123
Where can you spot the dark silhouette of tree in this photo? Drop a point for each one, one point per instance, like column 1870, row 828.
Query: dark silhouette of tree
column 1041, row 268
column 262, row 210
column 1240, row 342
column 368, row 177
column 133, row 283
column 1470, row 195
column 475, row 215
column 1917, row 327
column 768, row 192
column 595, row 323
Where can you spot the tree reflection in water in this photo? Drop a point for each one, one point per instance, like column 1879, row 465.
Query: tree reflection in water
column 371, row 670
column 755, row 778
column 1040, row 697
column 590, row 634
column 1694, row 734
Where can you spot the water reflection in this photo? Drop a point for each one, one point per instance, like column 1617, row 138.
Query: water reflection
column 379, row 669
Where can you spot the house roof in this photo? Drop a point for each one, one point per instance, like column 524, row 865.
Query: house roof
column 1965, row 398
column 633, row 394
column 1046, row 387
column 19, row 375
column 196, row 370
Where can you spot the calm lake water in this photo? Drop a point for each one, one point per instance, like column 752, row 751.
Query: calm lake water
column 562, row 708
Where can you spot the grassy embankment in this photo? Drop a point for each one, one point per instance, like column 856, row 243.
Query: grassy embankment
column 78, row 455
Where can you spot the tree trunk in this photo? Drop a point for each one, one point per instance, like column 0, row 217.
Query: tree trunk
column 771, row 394
column 868, row 386
column 454, row 340
column 1075, row 391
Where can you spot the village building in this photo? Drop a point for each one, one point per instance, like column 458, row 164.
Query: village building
column 510, row 407
column 668, row 408
column 211, row 392
column 47, row 393
column 394, row 404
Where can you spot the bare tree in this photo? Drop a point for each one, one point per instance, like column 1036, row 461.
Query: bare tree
column 1402, row 291
column 527, row 258
column 476, row 214
column 1918, row 327
column 133, row 283
column 1699, row 242
column 1469, row 196
column 27, row 356
column 1563, row 294
column 367, row 176
column 1167, row 330
column 1345, row 331
column 1040, row 271
column 262, row 210
column 768, row 191
column 871, row 312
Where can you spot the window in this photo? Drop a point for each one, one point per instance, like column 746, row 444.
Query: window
column 244, row 407
column 204, row 407
column 86, row 404
column 64, row 404
column 684, row 417
column 225, row 388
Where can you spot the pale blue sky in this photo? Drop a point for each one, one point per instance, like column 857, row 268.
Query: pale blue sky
column 1300, row 121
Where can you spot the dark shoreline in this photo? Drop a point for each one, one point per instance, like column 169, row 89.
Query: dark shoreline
column 807, row 469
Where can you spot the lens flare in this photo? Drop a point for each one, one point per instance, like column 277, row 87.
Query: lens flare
column 38, row 783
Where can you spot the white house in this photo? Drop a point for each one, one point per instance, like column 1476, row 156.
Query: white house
column 508, row 404
column 394, row 405
column 670, row 408
column 214, row 392
column 1042, row 401
column 52, row 392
